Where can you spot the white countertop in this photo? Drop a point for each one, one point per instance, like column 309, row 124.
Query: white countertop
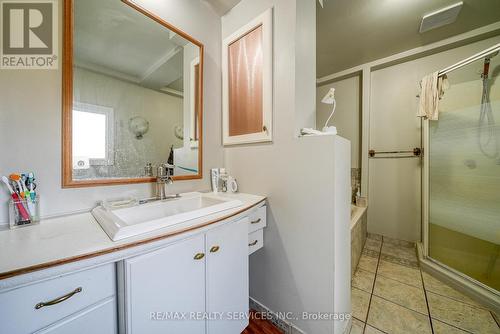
column 73, row 237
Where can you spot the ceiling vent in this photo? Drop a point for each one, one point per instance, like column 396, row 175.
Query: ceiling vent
column 440, row 17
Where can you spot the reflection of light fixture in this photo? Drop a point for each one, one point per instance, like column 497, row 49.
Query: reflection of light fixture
column 138, row 126
column 178, row 132
column 330, row 99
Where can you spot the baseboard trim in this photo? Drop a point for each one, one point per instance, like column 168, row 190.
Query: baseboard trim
column 460, row 283
column 286, row 326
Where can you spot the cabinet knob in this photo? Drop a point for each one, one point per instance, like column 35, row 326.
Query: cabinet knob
column 264, row 128
column 214, row 249
column 253, row 243
column 255, row 221
column 199, row 256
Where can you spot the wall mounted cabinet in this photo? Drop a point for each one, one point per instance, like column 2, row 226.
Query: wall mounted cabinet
column 247, row 82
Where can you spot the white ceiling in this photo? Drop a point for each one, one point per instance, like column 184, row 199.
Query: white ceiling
column 222, row 6
column 112, row 38
column 353, row 32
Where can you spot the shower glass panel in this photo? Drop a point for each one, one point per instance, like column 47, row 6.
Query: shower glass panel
column 464, row 173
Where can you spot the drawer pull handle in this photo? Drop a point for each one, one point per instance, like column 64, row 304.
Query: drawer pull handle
column 255, row 221
column 253, row 243
column 58, row 300
column 199, row 256
column 214, row 249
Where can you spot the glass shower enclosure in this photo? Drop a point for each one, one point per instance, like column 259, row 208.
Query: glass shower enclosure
column 461, row 174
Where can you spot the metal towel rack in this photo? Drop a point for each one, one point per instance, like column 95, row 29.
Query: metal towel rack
column 416, row 152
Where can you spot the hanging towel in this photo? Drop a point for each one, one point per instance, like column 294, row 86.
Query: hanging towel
column 170, row 159
column 432, row 90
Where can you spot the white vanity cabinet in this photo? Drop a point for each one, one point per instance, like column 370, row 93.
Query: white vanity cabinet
column 257, row 222
column 169, row 280
column 174, row 289
column 227, row 277
column 99, row 318
column 192, row 283
column 74, row 303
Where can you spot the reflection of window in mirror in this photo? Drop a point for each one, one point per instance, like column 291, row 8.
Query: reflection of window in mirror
column 195, row 100
column 92, row 135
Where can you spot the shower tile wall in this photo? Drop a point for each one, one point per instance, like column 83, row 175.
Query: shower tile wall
column 358, row 239
column 355, row 183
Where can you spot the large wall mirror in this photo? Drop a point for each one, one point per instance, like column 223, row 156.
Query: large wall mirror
column 132, row 95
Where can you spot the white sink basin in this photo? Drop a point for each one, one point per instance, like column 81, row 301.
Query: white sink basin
column 130, row 221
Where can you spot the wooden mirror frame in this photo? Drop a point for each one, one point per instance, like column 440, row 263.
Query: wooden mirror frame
column 67, row 104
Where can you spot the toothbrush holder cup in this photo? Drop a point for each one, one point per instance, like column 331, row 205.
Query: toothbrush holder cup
column 24, row 212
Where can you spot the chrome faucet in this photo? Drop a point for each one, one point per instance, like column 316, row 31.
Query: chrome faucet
column 163, row 178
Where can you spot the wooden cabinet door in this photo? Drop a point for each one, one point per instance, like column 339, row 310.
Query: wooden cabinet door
column 227, row 278
column 163, row 289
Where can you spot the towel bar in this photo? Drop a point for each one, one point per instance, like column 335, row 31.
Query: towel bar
column 416, row 152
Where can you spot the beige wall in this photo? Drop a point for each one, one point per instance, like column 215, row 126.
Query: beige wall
column 30, row 114
column 347, row 116
column 306, row 180
column 394, row 184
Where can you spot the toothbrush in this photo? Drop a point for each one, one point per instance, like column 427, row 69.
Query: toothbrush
column 31, row 180
column 23, row 191
column 24, row 179
column 16, row 178
column 22, row 211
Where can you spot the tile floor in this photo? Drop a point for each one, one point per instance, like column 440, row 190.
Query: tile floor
column 390, row 294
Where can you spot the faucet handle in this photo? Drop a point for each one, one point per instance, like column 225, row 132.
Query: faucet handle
column 161, row 171
column 148, row 169
column 164, row 172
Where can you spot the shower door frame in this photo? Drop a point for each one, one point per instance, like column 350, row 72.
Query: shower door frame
column 455, row 278
column 459, row 280
column 425, row 186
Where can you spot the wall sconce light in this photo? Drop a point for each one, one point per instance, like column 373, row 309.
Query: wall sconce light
column 138, row 126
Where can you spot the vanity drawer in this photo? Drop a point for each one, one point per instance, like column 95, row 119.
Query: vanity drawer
column 18, row 307
column 99, row 318
column 255, row 241
column 257, row 219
